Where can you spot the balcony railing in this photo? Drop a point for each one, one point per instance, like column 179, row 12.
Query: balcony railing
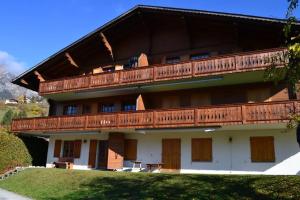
column 249, row 61
column 270, row 112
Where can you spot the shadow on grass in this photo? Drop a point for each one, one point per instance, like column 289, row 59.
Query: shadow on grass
column 166, row 186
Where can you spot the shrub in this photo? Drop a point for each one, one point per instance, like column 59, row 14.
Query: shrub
column 13, row 152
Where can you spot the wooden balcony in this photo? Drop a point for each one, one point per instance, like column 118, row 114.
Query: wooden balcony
column 271, row 112
column 249, row 61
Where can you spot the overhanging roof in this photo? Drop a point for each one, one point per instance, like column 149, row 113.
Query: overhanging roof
column 149, row 8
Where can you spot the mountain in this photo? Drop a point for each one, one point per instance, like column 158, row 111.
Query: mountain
column 9, row 90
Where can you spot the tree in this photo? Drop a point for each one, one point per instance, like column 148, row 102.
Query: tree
column 7, row 118
column 290, row 73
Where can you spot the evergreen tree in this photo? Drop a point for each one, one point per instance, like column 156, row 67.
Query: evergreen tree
column 7, row 118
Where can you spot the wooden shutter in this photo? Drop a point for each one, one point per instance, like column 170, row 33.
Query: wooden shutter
column 202, row 149
column 262, row 149
column 77, row 148
column 57, row 148
column 92, row 153
column 130, row 150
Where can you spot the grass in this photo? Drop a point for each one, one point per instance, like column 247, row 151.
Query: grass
column 57, row 184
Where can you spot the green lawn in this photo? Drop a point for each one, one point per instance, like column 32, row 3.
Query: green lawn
column 75, row 184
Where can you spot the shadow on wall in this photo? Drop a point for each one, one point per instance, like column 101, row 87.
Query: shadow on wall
column 37, row 148
column 166, row 186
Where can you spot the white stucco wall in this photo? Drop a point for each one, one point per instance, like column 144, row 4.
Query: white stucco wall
column 228, row 157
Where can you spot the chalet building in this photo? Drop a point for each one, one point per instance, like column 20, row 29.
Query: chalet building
column 170, row 89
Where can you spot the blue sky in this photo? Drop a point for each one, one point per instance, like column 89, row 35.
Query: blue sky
column 32, row 30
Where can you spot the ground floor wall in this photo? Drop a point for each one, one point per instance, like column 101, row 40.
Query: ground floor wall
column 231, row 151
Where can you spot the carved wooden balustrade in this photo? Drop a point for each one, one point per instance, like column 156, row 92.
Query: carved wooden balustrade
column 252, row 113
column 248, row 61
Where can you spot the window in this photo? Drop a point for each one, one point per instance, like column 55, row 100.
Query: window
column 130, row 149
column 128, row 106
column 68, row 150
column 262, row 149
column 202, row 149
column 199, row 56
column 86, row 109
column 173, row 60
column 109, row 107
column 108, row 68
column 70, row 110
column 72, row 149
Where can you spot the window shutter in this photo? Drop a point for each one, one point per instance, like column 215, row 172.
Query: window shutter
column 92, row 153
column 262, row 149
column 57, row 148
column 77, row 148
column 202, row 149
column 130, row 150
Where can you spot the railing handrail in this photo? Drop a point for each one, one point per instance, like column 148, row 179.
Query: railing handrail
column 241, row 114
column 167, row 109
column 89, row 76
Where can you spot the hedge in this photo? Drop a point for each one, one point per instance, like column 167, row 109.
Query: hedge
column 13, row 152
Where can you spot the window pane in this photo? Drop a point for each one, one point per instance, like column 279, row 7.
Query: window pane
column 199, row 56
column 70, row 110
column 106, row 108
column 172, row 60
column 128, row 106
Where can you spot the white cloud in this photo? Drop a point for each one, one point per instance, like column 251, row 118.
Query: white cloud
column 11, row 64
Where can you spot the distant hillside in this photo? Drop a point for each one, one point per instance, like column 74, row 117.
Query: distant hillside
column 9, row 90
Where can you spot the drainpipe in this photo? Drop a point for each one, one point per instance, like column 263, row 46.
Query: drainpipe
column 298, row 134
column 230, row 143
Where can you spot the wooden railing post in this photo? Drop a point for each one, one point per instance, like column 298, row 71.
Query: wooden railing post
column 86, row 122
column 244, row 114
column 154, row 119
column 118, row 120
column 237, row 67
column 195, row 116
column 193, row 69
column 58, row 123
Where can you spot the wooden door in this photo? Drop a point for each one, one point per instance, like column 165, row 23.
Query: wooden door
column 102, row 154
column 115, row 151
column 171, row 153
column 92, row 153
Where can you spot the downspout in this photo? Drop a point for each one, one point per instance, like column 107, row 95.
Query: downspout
column 298, row 134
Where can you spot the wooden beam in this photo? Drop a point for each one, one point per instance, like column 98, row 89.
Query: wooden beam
column 39, row 76
column 140, row 103
column 24, row 82
column 71, row 60
column 107, row 45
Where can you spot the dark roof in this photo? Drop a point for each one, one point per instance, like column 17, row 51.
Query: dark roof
column 154, row 8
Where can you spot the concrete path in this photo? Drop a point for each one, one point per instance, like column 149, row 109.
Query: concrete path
column 6, row 195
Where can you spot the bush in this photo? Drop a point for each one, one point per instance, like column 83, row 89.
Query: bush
column 13, row 152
